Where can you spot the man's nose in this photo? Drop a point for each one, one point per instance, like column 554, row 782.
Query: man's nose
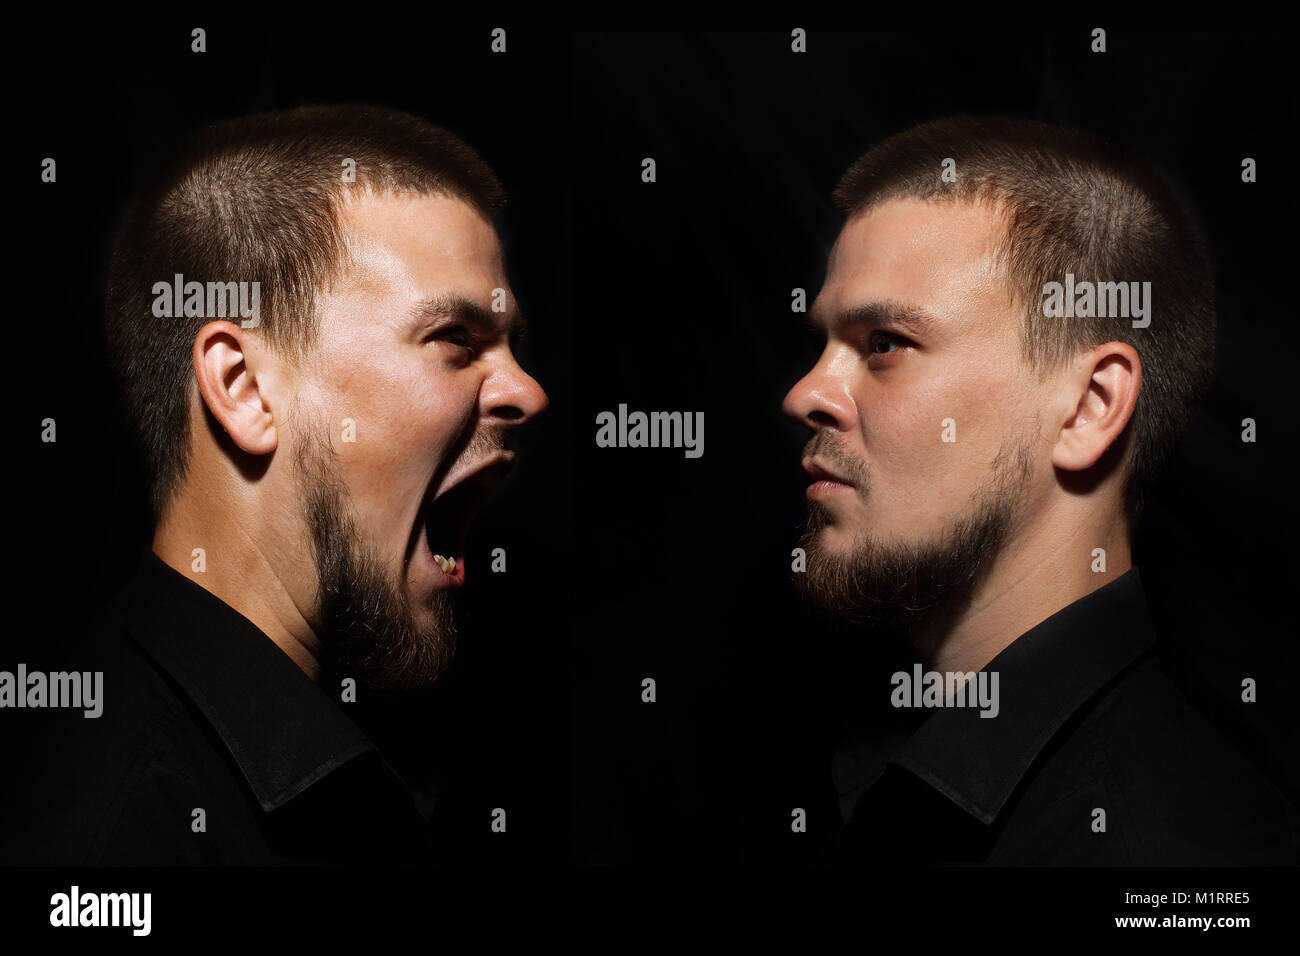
column 514, row 395
column 819, row 399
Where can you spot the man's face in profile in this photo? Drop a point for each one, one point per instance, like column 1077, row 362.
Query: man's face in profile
column 402, row 417
column 921, row 344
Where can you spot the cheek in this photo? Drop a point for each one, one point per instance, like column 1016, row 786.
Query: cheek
column 903, row 427
column 930, row 444
column 402, row 428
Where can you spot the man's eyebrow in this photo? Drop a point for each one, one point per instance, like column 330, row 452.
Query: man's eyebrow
column 468, row 312
column 884, row 313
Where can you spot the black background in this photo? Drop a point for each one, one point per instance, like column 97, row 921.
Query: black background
column 634, row 563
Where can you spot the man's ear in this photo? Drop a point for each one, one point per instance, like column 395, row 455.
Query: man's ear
column 232, row 370
column 1104, row 385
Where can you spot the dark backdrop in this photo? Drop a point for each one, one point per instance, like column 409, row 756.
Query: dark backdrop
column 633, row 563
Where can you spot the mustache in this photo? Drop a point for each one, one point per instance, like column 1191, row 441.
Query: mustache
column 486, row 442
column 824, row 447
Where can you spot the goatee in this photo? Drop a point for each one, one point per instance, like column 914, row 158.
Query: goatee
column 909, row 585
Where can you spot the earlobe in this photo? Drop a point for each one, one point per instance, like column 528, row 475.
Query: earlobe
column 227, row 363
column 1105, row 404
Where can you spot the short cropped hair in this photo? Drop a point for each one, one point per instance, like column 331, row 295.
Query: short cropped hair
column 258, row 199
column 1072, row 203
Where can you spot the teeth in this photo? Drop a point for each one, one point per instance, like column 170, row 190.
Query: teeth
column 448, row 565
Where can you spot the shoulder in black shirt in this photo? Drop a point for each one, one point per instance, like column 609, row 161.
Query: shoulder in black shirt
column 1094, row 758
column 213, row 748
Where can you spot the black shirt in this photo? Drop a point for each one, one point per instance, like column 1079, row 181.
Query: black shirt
column 1087, row 725
column 203, row 712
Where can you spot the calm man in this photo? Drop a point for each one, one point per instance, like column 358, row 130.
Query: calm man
column 979, row 453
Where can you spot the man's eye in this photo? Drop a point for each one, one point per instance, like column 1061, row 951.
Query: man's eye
column 458, row 336
column 879, row 340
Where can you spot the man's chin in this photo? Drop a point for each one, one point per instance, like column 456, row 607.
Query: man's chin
column 835, row 542
column 841, row 580
column 903, row 584
column 433, row 624
column 856, row 578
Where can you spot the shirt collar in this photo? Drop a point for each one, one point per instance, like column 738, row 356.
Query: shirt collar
column 1044, row 677
column 282, row 729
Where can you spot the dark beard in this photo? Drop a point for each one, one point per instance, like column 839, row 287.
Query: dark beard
column 911, row 586
column 364, row 624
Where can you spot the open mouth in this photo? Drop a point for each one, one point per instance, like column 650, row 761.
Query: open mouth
column 446, row 519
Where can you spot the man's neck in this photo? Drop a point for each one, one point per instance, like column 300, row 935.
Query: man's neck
column 1040, row 571
column 235, row 568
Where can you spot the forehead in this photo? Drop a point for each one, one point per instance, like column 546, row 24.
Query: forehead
column 409, row 245
column 934, row 257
